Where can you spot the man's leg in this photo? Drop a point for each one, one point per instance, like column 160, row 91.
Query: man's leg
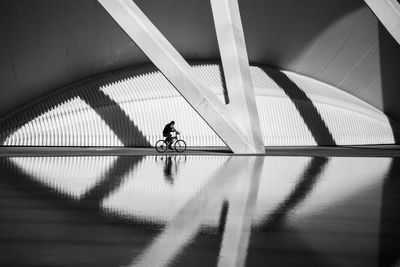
column 169, row 141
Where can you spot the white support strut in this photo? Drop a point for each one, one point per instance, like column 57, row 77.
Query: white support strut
column 388, row 12
column 180, row 74
column 235, row 62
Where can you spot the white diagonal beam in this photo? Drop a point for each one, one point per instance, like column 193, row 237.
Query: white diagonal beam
column 149, row 39
column 388, row 12
column 235, row 62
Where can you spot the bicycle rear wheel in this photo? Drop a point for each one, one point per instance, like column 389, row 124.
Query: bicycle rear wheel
column 180, row 146
column 161, row 146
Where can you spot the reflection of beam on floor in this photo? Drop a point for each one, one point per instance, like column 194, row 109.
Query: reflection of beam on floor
column 111, row 181
column 186, row 224
column 238, row 226
column 307, row 181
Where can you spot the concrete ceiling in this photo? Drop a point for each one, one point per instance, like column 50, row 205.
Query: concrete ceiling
column 48, row 44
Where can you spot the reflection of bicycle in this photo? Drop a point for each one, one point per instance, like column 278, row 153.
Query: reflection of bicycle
column 178, row 144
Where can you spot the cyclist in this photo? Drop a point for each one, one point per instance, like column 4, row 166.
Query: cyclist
column 168, row 129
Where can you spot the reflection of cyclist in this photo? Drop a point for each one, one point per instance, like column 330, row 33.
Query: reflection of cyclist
column 171, row 167
column 168, row 170
column 168, row 129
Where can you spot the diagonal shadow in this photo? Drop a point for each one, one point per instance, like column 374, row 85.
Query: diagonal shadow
column 109, row 111
column 389, row 232
column 223, row 217
column 305, row 107
column 307, row 182
column 111, row 182
column 223, row 82
column 298, row 253
column 114, row 116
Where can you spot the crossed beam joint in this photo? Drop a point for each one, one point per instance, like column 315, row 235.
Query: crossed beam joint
column 237, row 124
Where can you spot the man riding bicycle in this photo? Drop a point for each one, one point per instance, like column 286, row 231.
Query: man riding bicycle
column 168, row 129
column 164, row 144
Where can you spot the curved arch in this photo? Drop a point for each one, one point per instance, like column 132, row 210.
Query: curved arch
column 129, row 108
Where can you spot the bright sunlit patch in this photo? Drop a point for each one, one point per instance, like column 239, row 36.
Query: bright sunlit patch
column 160, row 187
column 156, row 189
column 71, row 176
column 302, row 186
column 71, row 123
column 279, row 178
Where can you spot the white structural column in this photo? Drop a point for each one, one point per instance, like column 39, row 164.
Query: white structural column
column 235, row 62
column 388, row 12
column 181, row 75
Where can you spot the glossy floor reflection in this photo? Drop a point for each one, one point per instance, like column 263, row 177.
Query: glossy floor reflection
column 199, row 211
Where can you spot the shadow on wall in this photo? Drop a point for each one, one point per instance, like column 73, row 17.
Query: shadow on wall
column 389, row 51
column 223, row 82
column 108, row 110
column 305, row 107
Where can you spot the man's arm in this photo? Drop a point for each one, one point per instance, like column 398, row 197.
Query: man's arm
column 173, row 129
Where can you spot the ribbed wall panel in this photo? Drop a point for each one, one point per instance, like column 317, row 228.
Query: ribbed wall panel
column 140, row 102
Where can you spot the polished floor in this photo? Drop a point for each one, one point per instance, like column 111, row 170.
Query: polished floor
column 199, row 210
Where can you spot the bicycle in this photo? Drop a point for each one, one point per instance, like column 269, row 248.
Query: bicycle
column 178, row 144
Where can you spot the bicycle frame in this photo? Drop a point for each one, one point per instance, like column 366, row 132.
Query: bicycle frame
column 173, row 139
column 174, row 143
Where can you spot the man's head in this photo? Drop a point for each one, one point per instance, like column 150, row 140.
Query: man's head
column 172, row 123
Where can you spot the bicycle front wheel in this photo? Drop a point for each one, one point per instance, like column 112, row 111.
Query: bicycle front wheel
column 161, row 146
column 180, row 146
